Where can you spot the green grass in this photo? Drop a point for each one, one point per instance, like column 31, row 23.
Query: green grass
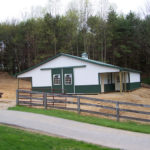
column 16, row 139
column 131, row 126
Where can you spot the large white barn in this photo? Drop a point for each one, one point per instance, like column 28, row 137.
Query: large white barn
column 70, row 74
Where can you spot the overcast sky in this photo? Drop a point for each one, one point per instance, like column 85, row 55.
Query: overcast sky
column 11, row 9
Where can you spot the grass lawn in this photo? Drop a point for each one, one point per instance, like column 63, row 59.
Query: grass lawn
column 131, row 126
column 16, row 139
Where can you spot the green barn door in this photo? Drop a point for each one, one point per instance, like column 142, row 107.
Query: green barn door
column 57, row 80
column 68, row 80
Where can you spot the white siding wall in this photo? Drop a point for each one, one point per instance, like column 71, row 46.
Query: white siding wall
column 89, row 74
column 134, row 77
column 82, row 76
column 39, row 78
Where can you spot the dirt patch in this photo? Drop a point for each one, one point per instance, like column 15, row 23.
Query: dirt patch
column 9, row 84
column 141, row 95
column 4, row 104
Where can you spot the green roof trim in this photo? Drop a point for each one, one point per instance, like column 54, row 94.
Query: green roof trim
column 131, row 70
column 92, row 61
column 79, row 58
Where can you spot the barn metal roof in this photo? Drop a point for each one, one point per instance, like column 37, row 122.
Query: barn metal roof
column 82, row 59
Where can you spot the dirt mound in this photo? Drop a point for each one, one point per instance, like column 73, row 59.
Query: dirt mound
column 9, row 84
column 141, row 95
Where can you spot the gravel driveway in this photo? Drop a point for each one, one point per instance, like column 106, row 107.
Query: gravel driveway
column 80, row 131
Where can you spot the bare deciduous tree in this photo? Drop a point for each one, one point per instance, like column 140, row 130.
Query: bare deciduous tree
column 85, row 12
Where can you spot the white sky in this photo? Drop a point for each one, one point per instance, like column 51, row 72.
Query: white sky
column 12, row 9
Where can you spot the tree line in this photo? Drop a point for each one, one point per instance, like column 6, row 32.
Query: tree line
column 122, row 40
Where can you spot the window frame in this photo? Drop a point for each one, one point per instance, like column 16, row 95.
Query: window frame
column 65, row 78
column 59, row 77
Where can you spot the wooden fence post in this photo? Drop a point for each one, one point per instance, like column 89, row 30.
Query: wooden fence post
column 120, row 74
column 45, row 100
column 53, row 100
column 17, row 97
column 117, row 111
column 78, row 105
column 30, row 99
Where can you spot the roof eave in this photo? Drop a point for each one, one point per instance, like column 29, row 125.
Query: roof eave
column 130, row 70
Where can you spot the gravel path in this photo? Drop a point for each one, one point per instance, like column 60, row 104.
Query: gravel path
column 80, row 131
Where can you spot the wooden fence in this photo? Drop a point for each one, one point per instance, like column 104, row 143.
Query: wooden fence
column 110, row 108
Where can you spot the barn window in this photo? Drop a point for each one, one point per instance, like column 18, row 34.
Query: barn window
column 56, row 79
column 68, row 79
